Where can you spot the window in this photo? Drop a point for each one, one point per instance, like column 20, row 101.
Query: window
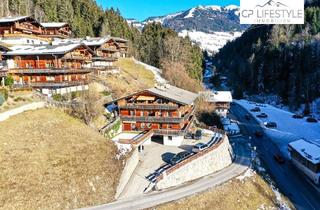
column 170, row 138
column 142, row 125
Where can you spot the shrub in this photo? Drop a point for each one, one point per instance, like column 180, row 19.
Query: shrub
column 9, row 81
column 57, row 97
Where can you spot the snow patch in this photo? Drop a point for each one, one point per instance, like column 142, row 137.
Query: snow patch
column 247, row 174
column 157, row 72
column 211, row 42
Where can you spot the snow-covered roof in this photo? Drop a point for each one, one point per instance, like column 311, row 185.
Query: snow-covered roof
column 41, row 49
column 118, row 39
column 174, row 93
column 89, row 41
column 12, row 19
column 96, row 41
column 218, row 96
column 307, row 149
column 54, row 25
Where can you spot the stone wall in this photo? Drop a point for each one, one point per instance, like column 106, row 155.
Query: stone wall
column 32, row 106
column 127, row 172
column 200, row 165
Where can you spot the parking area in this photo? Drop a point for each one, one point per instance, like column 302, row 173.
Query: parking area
column 153, row 157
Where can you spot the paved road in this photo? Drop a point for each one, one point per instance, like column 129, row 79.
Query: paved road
column 290, row 182
column 153, row 199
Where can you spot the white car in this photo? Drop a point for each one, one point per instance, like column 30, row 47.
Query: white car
column 199, row 147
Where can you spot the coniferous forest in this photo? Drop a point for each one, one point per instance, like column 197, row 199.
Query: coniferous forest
column 158, row 46
column 276, row 59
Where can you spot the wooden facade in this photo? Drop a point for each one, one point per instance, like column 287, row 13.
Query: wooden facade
column 145, row 111
column 63, row 31
column 23, row 25
column 52, row 70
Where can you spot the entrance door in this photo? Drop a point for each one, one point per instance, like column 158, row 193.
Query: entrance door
column 157, row 139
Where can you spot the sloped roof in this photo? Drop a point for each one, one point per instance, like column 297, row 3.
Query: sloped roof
column 54, row 25
column 43, row 49
column 118, row 39
column 307, row 149
column 12, row 19
column 176, row 94
column 96, row 41
column 218, row 96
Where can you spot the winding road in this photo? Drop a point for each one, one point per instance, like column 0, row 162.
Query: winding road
column 240, row 165
column 290, row 182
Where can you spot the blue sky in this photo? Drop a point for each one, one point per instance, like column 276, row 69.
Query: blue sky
column 141, row 9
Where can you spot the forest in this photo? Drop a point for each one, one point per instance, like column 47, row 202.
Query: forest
column 276, row 59
column 180, row 60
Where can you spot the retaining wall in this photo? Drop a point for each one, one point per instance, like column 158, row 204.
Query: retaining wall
column 32, row 106
column 201, row 164
column 127, row 172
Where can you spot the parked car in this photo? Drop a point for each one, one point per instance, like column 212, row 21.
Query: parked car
column 271, row 124
column 262, row 115
column 258, row 134
column 279, row 158
column 199, row 147
column 256, row 109
column 179, row 157
column 188, row 135
column 311, row 120
column 198, row 135
column 297, row 116
column 247, row 116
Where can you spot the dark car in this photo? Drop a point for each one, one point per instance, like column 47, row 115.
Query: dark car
column 256, row 109
column 279, row 159
column 247, row 116
column 262, row 115
column 179, row 157
column 271, row 125
column 258, row 134
column 311, row 120
column 188, row 135
column 198, row 135
column 297, row 116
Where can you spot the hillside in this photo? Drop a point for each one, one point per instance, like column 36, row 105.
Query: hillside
column 210, row 27
column 240, row 193
column 278, row 60
column 54, row 164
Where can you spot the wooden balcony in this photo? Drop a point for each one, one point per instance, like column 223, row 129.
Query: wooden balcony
column 149, row 106
column 154, row 119
column 50, row 71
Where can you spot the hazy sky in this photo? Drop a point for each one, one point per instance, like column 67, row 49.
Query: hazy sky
column 142, row 9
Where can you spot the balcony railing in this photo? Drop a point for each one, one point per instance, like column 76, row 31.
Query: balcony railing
column 50, row 71
column 150, row 106
column 153, row 119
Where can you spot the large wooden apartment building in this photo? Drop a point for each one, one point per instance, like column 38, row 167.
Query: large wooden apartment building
column 51, row 69
column 166, row 110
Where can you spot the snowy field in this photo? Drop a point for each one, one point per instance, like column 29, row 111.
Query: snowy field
column 211, row 42
column 288, row 129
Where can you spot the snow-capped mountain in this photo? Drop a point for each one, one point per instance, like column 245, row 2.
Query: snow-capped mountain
column 211, row 27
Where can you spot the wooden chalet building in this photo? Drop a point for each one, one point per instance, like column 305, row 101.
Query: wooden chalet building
column 165, row 111
column 3, row 68
column 221, row 101
column 21, row 30
column 106, row 50
column 56, row 30
column 122, row 47
column 49, row 68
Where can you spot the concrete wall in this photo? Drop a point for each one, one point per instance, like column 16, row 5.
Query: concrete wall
column 32, row 106
column 175, row 141
column 127, row 172
column 206, row 164
column 66, row 90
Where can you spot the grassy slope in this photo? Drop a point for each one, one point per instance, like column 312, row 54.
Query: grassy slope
column 49, row 160
column 252, row 193
column 133, row 78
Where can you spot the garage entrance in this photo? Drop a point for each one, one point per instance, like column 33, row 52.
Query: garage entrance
column 157, row 139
